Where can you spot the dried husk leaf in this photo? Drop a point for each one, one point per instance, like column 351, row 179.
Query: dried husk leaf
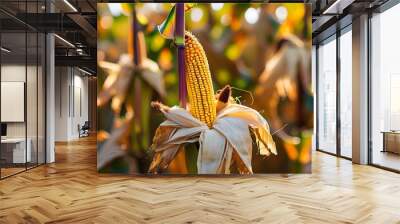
column 183, row 135
column 239, row 164
column 167, row 141
column 180, row 118
column 236, row 132
column 112, row 148
column 257, row 122
column 225, row 167
column 161, row 136
column 283, row 68
column 117, row 83
column 178, row 163
column 211, row 152
column 228, row 141
column 152, row 74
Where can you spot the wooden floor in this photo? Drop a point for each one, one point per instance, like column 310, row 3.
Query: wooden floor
column 5, row 172
column 71, row 191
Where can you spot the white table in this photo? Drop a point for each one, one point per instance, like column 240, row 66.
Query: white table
column 19, row 155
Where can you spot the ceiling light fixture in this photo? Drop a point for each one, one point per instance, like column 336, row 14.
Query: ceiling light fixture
column 70, row 5
column 84, row 71
column 337, row 7
column 64, row 40
column 5, row 50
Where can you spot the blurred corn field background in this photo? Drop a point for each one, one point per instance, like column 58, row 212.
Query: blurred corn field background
column 262, row 50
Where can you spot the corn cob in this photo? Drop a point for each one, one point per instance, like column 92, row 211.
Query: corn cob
column 198, row 81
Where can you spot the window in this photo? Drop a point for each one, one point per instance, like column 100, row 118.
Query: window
column 327, row 96
column 385, row 89
column 346, row 92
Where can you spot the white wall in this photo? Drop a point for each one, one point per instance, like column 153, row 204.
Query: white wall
column 71, row 94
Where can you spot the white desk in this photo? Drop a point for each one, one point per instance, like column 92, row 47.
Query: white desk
column 19, row 155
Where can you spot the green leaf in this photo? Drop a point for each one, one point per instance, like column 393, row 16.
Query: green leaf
column 167, row 28
column 179, row 41
column 147, row 93
column 192, row 152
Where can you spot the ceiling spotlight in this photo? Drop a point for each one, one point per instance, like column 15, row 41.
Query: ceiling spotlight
column 64, row 40
column 84, row 71
column 70, row 5
column 5, row 50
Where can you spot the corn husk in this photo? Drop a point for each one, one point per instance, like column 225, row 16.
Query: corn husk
column 116, row 89
column 120, row 77
column 227, row 142
column 114, row 146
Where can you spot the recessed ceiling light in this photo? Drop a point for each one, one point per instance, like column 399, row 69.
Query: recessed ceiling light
column 5, row 50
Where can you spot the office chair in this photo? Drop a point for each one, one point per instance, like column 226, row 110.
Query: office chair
column 84, row 130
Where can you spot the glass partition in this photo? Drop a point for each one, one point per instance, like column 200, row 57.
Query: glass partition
column 14, row 145
column 327, row 95
column 22, row 88
column 346, row 93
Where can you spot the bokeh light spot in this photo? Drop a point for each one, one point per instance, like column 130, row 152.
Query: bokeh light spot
column 251, row 15
column 115, row 9
column 196, row 14
column 217, row 6
column 281, row 13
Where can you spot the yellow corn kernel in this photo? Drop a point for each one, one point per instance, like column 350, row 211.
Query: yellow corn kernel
column 198, row 81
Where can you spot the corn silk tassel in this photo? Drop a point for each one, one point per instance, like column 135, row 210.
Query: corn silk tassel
column 220, row 126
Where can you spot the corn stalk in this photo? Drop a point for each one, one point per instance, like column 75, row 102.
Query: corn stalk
column 180, row 43
column 137, row 82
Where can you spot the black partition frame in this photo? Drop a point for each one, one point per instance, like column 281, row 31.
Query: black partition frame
column 340, row 30
column 43, row 56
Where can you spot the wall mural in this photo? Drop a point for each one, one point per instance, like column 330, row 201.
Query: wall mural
column 220, row 88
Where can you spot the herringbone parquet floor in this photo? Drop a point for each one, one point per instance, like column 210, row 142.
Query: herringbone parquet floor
column 71, row 191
